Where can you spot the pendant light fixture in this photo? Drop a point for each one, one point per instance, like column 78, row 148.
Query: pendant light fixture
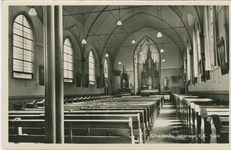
column 119, row 59
column 159, row 34
column 133, row 41
column 32, row 12
column 162, row 49
column 163, row 60
column 83, row 41
column 119, row 23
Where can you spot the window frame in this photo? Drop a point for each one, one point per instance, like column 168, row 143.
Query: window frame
column 68, row 80
column 90, row 81
column 33, row 49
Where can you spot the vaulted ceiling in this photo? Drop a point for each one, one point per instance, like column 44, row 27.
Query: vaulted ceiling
column 98, row 24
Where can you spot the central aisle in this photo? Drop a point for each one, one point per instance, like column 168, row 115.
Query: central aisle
column 167, row 128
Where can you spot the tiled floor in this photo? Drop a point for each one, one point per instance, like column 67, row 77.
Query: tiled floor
column 167, row 128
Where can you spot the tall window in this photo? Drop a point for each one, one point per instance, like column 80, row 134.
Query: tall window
column 23, row 48
column 91, row 68
column 105, row 69
column 68, row 61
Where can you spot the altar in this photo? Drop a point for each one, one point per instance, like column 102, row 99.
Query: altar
column 149, row 76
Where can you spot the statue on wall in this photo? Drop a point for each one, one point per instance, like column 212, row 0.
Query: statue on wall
column 165, row 83
column 124, row 82
column 149, row 75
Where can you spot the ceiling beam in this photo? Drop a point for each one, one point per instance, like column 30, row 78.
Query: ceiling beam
column 132, row 32
column 129, row 7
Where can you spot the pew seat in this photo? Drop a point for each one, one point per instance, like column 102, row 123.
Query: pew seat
column 135, row 120
column 119, row 130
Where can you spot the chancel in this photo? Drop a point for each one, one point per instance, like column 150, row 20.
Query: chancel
column 75, row 76
column 150, row 76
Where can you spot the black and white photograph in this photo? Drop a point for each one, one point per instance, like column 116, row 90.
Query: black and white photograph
column 115, row 75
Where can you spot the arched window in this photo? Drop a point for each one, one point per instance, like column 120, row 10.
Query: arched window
column 91, row 68
column 105, row 69
column 68, row 61
column 23, row 48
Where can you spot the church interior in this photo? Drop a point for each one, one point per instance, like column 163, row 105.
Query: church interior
column 118, row 74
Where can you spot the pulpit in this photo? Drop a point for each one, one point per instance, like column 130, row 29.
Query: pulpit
column 149, row 76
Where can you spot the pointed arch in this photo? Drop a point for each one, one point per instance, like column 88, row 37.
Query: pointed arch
column 23, row 47
column 68, row 60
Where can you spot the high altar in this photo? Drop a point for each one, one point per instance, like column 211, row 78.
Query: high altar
column 149, row 76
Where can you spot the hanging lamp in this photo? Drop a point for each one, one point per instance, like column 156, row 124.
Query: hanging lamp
column 162, row 49
column 163, row 60
column 119, row 59
column 119, row 23
column 32, row 12
column 83, row 41
column 133, row 41
column 159, row 34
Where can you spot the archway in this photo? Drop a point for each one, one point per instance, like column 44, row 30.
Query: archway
column 147, row 67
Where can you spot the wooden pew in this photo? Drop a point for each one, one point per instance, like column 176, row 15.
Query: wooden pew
column 70, row 100
column 17, row 106
column 32, row 104
column 41, row 103
column 208, row 116
column 196, row 117
column 90, row 112
column 187, row 115
column 181, row 107
column 147, row 111
column 220, row 129
column 147, row 116
column 124, row 134
column 135, row 120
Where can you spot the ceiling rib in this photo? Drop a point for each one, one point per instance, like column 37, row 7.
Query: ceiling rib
column 152, row 16
column 108, row 10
